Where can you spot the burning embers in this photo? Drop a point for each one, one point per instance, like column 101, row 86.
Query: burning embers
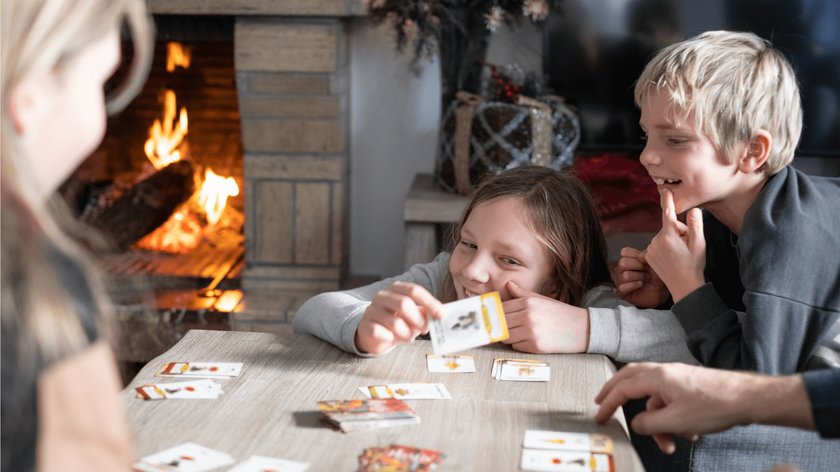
column 201, row 204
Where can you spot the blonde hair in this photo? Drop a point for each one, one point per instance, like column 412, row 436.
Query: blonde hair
column 41, row 36
column 735, row 84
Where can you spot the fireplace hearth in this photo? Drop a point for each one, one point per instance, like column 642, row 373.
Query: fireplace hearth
column 278, row 70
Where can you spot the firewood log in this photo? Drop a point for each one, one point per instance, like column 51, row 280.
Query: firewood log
column 146, row 205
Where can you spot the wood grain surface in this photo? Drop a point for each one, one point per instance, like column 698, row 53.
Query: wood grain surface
column 270, row 408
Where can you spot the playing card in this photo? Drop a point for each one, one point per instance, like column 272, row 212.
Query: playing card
column 269, row 464
column 408, row 391
column 399, row 458
column 522, row 370
column 525, row 371
column 192, row 389
column 200, row 369
column 353, row 415
column 566, row 461
column 450, row 363
column 187, row 457
column 565, row 441
column 469, row 323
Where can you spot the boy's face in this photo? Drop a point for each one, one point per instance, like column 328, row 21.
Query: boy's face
column 683, row 159
column 497, row 246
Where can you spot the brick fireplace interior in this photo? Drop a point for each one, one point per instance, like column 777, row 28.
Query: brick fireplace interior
column 267, row 95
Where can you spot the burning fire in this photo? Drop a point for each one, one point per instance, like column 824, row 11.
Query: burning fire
column 167, row 136
column 214, row 194
column 167, row 144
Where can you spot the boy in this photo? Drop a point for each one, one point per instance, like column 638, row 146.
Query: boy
column 755, row 278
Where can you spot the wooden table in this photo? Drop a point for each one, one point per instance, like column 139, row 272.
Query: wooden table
column 270, row 409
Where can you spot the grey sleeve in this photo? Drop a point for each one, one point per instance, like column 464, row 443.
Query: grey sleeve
column 776, row 335
column 629, row 334
column 335, row 316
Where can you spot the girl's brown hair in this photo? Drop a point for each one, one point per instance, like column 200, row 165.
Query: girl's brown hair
column 562, row 216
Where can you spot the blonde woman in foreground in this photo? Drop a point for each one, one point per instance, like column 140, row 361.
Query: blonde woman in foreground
column 60, row 403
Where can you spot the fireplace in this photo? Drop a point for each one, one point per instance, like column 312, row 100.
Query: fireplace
column 271, row 79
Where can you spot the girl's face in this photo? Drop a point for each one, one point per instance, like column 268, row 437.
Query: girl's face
column 497, row 245
column 70, row 120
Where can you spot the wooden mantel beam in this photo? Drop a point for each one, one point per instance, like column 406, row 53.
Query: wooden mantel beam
column 327, row 8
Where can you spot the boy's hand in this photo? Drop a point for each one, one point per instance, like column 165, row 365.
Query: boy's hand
column 678, row 252
column 543, row 325
column 395, row 316
column 637, row 282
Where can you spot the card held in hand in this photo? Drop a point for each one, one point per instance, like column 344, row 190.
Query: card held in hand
column 469, row 323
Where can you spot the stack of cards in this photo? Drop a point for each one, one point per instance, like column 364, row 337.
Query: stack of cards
column 397, row 458
column 354, row 415
column 408, row 391
column 205, row 370
column 469, row 323
column 521, row 370
column 567, row 452
column 450, row 363
column 187, row 457
column 190, row 390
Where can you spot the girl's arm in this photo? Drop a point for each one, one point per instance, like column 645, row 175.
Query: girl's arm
column 335, row 316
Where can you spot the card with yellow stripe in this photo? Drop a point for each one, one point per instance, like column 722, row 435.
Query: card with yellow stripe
column 469, row 323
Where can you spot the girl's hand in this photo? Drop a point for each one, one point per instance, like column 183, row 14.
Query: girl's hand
column 543, row 325
column 395, row 316
column 678, row 252
column 637, row 282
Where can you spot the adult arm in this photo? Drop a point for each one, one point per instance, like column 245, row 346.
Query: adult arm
column 823, row 388
column 335, row 316
column 81, row 422
column 689, row 400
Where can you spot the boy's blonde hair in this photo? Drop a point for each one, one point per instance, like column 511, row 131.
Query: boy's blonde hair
column 735, row 84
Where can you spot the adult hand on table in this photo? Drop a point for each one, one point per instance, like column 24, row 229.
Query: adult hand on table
column 688, row 400
column 396, row 316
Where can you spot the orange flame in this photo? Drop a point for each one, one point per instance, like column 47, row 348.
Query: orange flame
column 165, row 137
column 177, row 56
column 214, row 194
column 183, row 231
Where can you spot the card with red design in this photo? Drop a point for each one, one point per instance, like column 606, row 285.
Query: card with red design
column 188, row 457
column 210, row 370
column 566, row 461
column 408, row 391
column 567, row 441
column 399, row 458
column 353, row 415
column 192, row 389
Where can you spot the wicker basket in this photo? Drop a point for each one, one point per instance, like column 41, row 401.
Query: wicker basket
column 479, row 137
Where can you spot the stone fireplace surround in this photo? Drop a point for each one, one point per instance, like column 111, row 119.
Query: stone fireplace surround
column 292, row 74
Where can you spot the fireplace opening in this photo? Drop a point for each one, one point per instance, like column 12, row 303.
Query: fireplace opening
column 166, row 184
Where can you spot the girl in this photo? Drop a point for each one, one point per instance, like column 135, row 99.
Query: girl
column 530, row 233
column 61, row 409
